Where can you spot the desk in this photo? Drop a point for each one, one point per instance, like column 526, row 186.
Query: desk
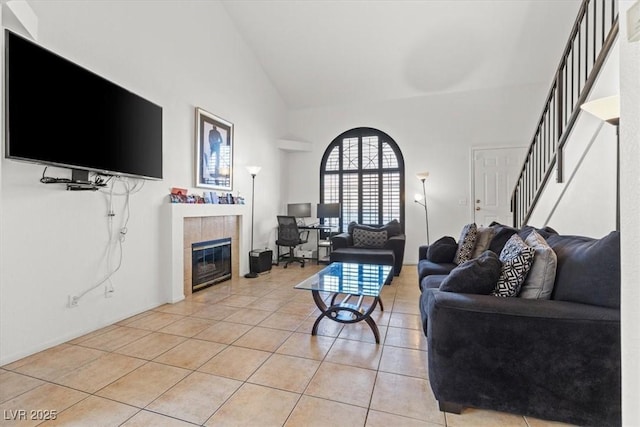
column 320, row 244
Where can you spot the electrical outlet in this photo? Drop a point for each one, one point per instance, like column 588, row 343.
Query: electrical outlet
column 73, row 301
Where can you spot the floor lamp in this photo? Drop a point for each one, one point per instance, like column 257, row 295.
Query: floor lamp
column 253, row 170
column 421, row 199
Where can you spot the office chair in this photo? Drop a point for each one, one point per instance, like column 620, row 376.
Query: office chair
column 291, row 237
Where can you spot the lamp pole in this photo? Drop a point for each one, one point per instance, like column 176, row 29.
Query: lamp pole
column 422, row 176
column 253, row 170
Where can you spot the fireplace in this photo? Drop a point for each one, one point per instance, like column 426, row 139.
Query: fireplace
column 210, row 263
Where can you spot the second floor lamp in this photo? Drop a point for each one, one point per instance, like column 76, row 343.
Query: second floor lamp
column 421, row 199
column 253, row 170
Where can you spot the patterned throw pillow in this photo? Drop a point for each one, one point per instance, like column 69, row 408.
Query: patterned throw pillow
column 369, row 238
column 466, row 243
column 516, row 257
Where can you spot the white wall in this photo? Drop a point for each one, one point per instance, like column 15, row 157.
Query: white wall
column 183, row 55
column 629, row 224
column 435, row 133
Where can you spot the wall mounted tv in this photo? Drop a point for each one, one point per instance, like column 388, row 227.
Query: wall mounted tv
column 61, row 114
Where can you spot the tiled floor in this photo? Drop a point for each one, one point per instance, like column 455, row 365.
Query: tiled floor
column 240, row 353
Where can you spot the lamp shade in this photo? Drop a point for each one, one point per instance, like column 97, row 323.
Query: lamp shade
column 254, row 170
column 607, row 109
column 422, row 175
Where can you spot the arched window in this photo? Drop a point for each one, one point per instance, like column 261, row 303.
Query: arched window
column 363, row 170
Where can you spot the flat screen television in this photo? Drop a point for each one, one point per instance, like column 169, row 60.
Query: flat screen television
column 61, row 114
column 299, row 210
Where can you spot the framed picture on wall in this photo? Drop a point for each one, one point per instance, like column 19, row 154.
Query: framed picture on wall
column 214, row 151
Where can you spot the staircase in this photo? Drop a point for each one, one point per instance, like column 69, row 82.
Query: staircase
column 592, row 37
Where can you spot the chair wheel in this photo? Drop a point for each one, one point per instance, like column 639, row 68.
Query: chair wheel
column 301, row 265
column 285, row 266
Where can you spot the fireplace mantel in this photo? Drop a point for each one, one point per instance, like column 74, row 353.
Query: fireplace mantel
column 175, row 213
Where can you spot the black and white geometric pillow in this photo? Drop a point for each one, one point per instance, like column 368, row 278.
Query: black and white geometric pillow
column 517, row 258
column 369, row 239
column 466, row 243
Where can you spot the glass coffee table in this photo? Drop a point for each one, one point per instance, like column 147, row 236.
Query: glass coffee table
column 352, row 282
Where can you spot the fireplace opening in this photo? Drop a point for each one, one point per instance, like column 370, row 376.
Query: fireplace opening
column 210, row 263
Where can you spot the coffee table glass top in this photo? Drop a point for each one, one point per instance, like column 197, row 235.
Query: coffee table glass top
column 349, row 278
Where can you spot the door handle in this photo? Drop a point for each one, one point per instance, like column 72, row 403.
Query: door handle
column 477, row 208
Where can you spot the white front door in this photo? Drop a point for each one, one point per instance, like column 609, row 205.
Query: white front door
column 495, row 172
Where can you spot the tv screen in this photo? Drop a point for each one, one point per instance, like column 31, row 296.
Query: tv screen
column 60, row 114
column 299, row 210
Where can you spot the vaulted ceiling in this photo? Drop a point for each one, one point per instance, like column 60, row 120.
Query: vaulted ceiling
column 333, row 52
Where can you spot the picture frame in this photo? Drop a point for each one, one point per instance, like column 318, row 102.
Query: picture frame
column 214, row 151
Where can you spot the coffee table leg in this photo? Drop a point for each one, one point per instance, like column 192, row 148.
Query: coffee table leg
column 322, row 307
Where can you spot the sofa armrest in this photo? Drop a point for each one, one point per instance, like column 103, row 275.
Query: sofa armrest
column 422, row 252
column 342, row 240
column 522, row 355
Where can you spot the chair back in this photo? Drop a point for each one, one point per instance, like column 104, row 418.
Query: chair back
column 288, row 230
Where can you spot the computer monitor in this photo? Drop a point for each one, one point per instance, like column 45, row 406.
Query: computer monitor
column 328, row 210
column 299, row 210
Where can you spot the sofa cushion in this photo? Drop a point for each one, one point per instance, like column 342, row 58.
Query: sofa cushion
column 542, row 275
column 442, row 250
column 516, row 259
column 485, row 234
column 476, row 276
column 466, row 243
column 588, row 269
column 502, row 233
column 369, row 238
column 393, row 227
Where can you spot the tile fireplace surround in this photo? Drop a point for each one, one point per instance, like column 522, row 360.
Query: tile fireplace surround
column 192, row 223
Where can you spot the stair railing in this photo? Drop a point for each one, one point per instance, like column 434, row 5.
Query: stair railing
column 592, row 37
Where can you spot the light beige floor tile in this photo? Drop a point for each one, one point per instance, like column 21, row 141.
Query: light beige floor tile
column 255, row 405
column 146, row 419
column 306, row 345
column 238, row 300
column 151, row 346
column 46, row 397
column 361, row 331
column 269, row 304
column 223, row 332
column 50, row 366
column 342, row 383
column 95, row 412
column 142, row 386
column 535, row 422
column 115, row 338
column 185, row 307
column 93, row 334
column 284, row 321
column 355, row 353
column 134, row 318
column 407, row 338
column 482, row 418
column 13, row 385
column 235, row 362
column 48, row 353
column 404, row 320
column 407, row 306
column 326, row 327
column 298, row 308
column 404, row 361
column 100, row 372
column 299, row 373
column 265, row 339
column 191, row 354
column 383, row 419
column 196, row 397
column 216, row 312
column 248, row 316
column 155, row 321
column 412, row 397
column 187, row 327
column 312, row 412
